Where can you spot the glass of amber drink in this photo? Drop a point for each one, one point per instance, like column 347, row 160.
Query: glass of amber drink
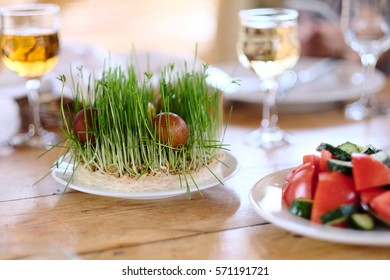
column 30, row 47
column 268, row 44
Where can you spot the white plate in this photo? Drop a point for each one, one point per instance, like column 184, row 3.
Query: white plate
column 228, row 170
column 266, row 199
column 341, row 81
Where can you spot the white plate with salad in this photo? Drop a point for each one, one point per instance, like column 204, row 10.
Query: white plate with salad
column 268, row 200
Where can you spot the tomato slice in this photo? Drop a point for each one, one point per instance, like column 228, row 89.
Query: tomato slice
column 325, row 155
column 301, row 183
column 381, row 205
column 367, row 195
column 298, row 168
column 369, row 172
column 334, row 189
column 314, row 159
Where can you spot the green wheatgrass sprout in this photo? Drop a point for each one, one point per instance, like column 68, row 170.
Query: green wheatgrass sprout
column 126, row 143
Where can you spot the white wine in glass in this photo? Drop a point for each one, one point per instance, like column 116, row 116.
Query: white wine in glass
column 30, row 47
column 268, row 44
column 366, row 29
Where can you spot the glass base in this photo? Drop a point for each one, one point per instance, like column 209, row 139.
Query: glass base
column 43, row 140
column 5, row 150
column 269, row 138
column 359, row 111
column 36, row 251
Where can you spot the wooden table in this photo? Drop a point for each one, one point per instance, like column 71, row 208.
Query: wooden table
column 220, row 225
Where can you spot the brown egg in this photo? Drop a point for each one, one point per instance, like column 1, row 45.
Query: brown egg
column 171, row 129
column 84, row 125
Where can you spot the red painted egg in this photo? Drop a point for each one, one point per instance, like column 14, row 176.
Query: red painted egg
column 171, row 129
column 85, row 124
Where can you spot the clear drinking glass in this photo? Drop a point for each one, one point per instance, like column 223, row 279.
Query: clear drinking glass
column 365, row 24
column 268, row 44
column 30, row 47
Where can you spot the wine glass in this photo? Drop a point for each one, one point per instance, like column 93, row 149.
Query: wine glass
column 30, row 47
column 365, row 25
column 268, row 44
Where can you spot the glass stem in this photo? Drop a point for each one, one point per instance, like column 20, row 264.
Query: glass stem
column 33, row 86
column 270, row 116
column 369, row 62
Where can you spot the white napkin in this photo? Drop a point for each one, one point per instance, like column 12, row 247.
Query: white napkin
column 9, row 119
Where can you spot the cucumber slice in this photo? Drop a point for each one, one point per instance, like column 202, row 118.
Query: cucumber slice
column 350, row 147
column 370, row 149
column 301, row 207
column 363, row 221
column 338, row 222
column 339, row 214
column 336, row 152
column 340, row 166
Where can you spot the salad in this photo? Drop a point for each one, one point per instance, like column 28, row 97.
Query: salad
column 347, row 185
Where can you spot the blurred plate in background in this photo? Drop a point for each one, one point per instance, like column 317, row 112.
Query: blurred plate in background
column 340, row 81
